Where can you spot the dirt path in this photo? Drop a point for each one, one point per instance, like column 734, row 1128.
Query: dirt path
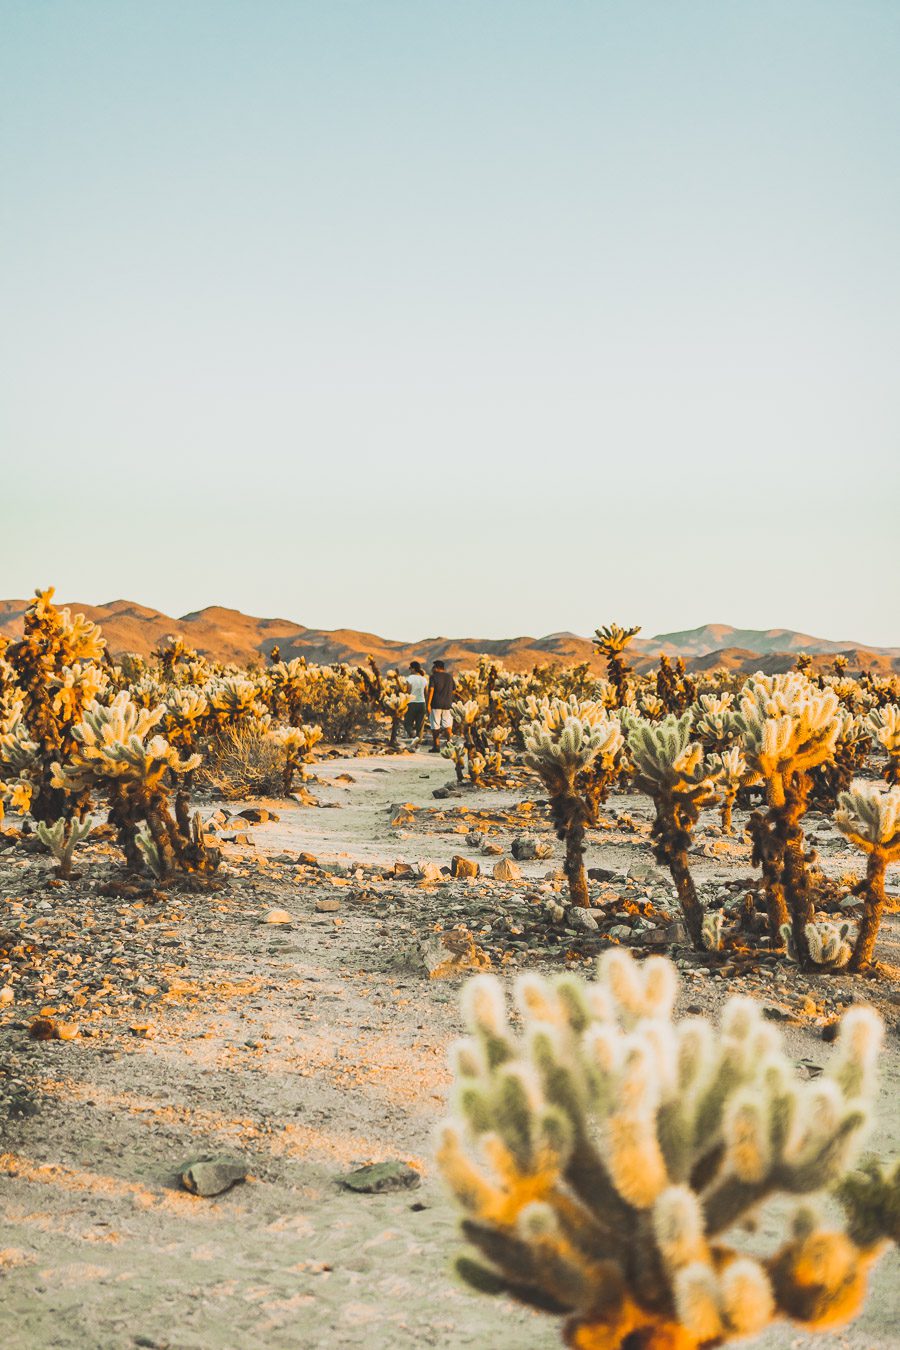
column 305, row 1051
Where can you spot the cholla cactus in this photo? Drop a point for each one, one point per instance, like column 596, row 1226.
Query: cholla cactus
column 116, row 754
column 734, row 773
column 171, row 650
column 885, row 725
column 298, row 744
column 670, row 769
column 465, row 712
column 498, row 736
column 714, row 721
column 827, row 943
column 57, row 670
column 652, row 707
column 869, row 816
column 62, row 838
column 788, row 727
column 851, row 750
column 611, row 641
column 576, row 755
column 457, row 753
column 603, row 1156
column 395, row 702
column 186, row 712
column 234, row 698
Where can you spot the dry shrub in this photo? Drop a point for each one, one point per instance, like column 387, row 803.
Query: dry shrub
column 242, row 761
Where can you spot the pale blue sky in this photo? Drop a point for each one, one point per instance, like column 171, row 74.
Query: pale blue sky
column 473, row 318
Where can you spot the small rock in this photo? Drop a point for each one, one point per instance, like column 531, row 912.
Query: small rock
column 451, row 953
column 579, row 917
column 6, row 996
column 463, row 867
column 243, row 839
column 491, row 850
column 376, row 1178
column 506, row 870
column 524, row 847
column 278, row 916
column 474, row 838
column 404, row 869
column 601, row 874
column 211, row 1175
column 307, row 860
column 404, row 814
column 620, row 931
column 257, row 815
column 430, row 871
column 327, row 905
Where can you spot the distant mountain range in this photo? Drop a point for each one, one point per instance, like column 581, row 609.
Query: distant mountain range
column 230, row 636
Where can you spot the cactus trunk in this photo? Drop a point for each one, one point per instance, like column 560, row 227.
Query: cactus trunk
column 691, row 907
column 874, row 899
column 573, row 866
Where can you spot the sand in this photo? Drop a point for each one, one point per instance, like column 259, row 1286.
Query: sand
column 305, row 1051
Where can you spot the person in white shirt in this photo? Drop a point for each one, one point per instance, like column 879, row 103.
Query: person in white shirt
column 417, row 684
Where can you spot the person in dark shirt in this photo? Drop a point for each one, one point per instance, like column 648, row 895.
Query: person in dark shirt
column 440, row 701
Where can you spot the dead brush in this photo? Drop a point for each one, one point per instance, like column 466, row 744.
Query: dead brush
column 242, row 760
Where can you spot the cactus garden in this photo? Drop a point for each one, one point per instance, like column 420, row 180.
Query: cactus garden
column 246, row 916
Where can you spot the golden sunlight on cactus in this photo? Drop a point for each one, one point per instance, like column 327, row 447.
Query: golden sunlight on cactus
column 869, row 815
column 611, row 641
column 885, row 726
column 603, row 1155
column 788, row 726
column 115, row 754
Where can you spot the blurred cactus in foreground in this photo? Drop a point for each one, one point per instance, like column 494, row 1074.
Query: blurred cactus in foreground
column 869, row 815
column 604, row 1155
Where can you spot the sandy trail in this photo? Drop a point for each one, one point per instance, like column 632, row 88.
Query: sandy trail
column 305, row 1051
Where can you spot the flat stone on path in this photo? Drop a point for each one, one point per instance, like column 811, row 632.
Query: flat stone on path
column 211, row 1176
column 376, row 1178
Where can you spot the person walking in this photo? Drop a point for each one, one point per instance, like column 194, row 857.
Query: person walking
column 414, row 720
column 440, row 701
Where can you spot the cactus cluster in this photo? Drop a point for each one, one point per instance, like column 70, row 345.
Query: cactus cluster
column 607, row 1157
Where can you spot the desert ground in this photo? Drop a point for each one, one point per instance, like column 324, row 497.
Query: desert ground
column 307, row 1048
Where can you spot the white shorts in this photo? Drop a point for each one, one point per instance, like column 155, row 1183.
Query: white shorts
column 440, row 717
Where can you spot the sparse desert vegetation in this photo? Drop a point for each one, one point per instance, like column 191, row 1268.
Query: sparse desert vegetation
column 742, row 827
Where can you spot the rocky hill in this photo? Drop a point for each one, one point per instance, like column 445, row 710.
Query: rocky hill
column 230, row 636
